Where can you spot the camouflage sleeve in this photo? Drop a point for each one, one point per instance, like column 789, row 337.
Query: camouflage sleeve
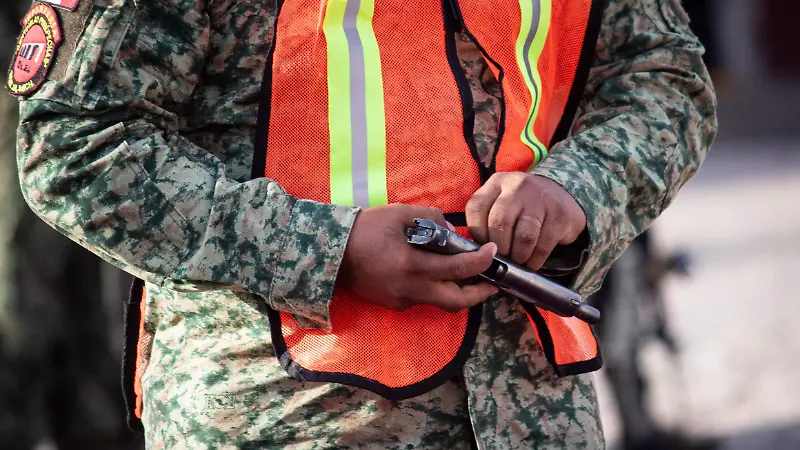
column 646, row 122
column 103, row 158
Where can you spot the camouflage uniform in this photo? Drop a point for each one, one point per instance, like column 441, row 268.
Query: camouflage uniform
column 59, row 382
column 140, row 148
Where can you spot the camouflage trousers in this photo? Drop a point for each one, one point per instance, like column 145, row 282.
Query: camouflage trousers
column 213, row 381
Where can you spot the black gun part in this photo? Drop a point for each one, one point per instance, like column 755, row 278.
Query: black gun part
column 511, row 278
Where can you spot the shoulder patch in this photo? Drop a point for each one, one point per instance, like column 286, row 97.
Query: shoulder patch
column 35, row 51
column 69, row 5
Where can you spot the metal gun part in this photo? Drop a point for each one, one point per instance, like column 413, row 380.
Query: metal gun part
column 511, row 278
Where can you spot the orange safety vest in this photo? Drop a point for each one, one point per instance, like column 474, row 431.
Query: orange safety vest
column 365, row 103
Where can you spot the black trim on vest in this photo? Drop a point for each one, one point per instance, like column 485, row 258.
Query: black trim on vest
column 133, row 314
column 451, row 27
column 588, row 53
column 501, row 130
column 439, row 378
column 265, row 107
column 457, row 219
column 546, row 339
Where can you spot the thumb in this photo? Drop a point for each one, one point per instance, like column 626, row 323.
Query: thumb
column 465, row 265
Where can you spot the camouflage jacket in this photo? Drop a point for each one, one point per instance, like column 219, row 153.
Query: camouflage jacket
column 140, row 146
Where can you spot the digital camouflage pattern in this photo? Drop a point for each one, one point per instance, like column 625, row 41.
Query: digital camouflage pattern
column 140, row 149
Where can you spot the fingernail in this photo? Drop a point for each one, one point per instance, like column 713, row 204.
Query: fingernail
column 450, row 226
column 494, row 249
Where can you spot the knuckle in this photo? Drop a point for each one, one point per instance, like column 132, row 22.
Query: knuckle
column 500, row 220
column 476, row 205
column 531, row 222
column 526, row 236
column 460, row 269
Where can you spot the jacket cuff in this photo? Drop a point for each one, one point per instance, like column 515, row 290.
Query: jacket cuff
column 309, row 261
column 588, row 260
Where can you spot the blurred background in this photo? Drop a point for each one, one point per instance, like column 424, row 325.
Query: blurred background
column 701, row 335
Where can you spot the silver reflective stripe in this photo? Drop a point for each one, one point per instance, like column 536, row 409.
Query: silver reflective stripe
column 358, row 105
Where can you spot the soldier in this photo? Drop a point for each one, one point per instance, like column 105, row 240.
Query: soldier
column 137, row 141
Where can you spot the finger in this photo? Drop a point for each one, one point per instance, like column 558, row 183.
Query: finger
column 477, row 211
column 505, row 211
column 453, row 298
column 450, row 227
column 526, row 235
column 552, row 230
column 455, row 267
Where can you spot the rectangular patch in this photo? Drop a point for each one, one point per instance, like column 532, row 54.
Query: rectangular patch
column 69, row 5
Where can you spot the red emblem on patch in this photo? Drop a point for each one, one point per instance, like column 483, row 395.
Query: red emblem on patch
column 65, row 4
column 36, row 50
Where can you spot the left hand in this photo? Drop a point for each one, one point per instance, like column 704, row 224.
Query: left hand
column 525, row 215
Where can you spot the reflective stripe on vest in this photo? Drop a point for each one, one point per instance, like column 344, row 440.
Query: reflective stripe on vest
column 355, row 101
column 366, row 104
column 530, row 43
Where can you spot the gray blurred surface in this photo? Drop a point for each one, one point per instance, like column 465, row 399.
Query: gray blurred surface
column 737, row 317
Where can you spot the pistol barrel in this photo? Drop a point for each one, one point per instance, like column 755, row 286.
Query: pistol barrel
column 511, row 278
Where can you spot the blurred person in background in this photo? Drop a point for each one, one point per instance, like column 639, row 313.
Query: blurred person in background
column 59, row 330
column 631, row 301
column 139, row 145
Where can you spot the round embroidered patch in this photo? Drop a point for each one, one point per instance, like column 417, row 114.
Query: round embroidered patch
column 36, row 50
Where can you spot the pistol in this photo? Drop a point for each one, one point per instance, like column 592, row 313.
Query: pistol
column 526, row 285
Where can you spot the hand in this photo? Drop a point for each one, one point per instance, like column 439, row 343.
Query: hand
column 380, row 266
column 525, row 215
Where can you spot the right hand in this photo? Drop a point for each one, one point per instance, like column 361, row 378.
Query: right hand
column 380, row 266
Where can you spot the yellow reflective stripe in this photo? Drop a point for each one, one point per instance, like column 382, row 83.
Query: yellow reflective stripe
column 376, row 114
column 341, row 160
column 356, row 116
column 534, row 28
